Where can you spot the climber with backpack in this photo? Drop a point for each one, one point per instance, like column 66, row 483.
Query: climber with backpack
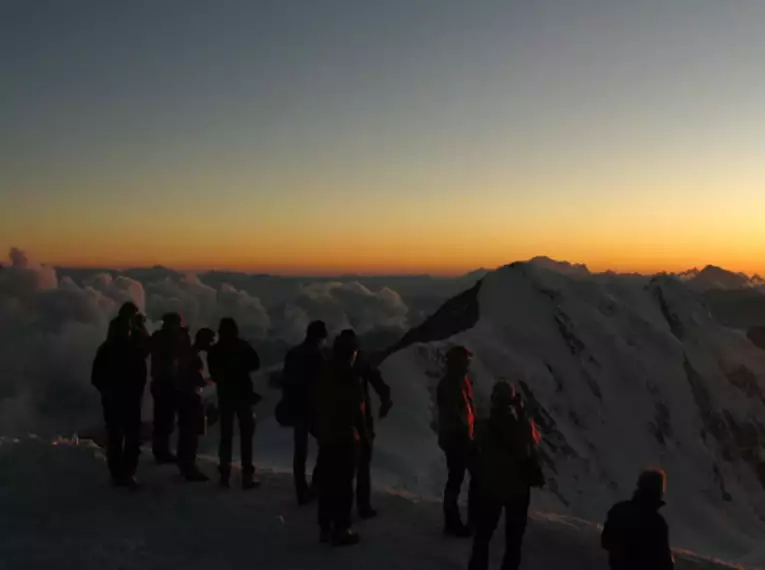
column 506, row 468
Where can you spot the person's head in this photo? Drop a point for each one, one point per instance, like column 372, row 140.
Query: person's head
column 204, row 338
column 119, row 329
column 346, row 346
column 458, row 360
column 228, row 329
column 172, row 321
column 652, row 484
column 503, row 395
column 128, row 311
column 316, row 332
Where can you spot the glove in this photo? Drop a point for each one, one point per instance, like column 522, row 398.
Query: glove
column 385, row 408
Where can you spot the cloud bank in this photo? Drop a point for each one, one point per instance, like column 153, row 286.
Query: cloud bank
column 51, row 324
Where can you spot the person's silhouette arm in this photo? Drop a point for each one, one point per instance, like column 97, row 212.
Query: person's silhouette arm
column 382, row 389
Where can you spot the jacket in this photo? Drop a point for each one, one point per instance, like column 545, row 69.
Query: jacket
column 456, row 410
column 340, row 406
column 507, row 465
column 167, row 350
column 636, row 536
column 230, row 364
column 303, row 367
column 119, row 369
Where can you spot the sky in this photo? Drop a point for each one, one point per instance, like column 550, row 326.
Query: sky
column 405, row 136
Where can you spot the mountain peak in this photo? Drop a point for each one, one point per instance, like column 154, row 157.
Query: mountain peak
column 564, row 267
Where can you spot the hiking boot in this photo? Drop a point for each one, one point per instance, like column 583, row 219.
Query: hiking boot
column 248, row 484
column 195, row 476
column 165, row 458
column 128, row 482
column 458, row 530
column 346, row 538
column 366, row 513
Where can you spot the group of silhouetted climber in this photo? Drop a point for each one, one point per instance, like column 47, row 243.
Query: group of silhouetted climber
column 325, row 395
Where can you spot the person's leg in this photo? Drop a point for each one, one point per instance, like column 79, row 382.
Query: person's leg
column 364, row 481
column 246, row 433
column 516, row 518
column 226, row 421
column 326, row 474
column 345, row 473
column 300, row 455
column 342, row 485
column 488, row 512
column 184, row 435
column 132, row 436
column 456, row 464
column 164, row 419
column 114, row 440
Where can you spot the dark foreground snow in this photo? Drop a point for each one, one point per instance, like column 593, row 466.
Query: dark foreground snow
column 57, row 511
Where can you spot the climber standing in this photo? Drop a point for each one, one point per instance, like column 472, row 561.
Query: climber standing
column 303, row 367
column 341, row 429
column 231, row 361
column 635, row 535
column 168, row 345
column 506, row 468
column 191, row 413
column 119, row 374
column 456, row 427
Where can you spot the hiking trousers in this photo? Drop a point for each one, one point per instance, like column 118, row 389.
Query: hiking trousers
column 488, row 513
column 337, row 468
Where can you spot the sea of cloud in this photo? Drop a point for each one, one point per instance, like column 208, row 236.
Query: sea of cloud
column 52, row 321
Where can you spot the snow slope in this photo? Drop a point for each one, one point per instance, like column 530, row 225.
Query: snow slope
column 621, row 372
column 57, row 511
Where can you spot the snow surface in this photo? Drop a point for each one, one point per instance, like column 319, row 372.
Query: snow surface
column 58, row 511
column 623, row 374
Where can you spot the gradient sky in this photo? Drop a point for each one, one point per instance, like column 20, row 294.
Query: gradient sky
column 383, row 136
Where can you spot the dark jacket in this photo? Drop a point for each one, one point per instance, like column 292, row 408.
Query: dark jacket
column 119, row 369
column 456, row 411
column 192, row 372
column 303, row 367
column 507, row 465
column 340, row 406
column 230, row 364
column 636, row 536
column 167, row 350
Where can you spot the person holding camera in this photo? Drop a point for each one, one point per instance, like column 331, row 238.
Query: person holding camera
column 506, row 468
column 231, row 361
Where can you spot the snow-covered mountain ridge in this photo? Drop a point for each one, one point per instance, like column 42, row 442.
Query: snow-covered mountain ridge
column 621, row 372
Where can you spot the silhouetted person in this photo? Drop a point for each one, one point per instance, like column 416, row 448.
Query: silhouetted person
column 456, row 427
column 168, row 345
column 231, row 361
column 506, row 468
column 119, row 374
column 635, row 535
column 191, row 412
column 341, row 429
column 369, row 375
column 303, row 367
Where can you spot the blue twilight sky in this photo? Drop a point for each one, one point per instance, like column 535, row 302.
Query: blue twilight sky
column 396, row 135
